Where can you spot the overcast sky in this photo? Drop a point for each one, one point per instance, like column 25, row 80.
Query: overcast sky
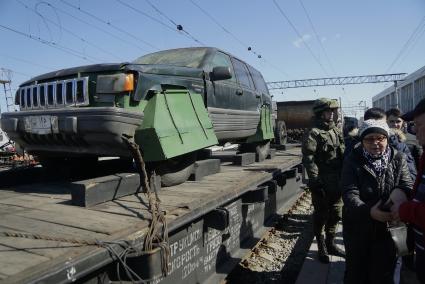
column 296, row 39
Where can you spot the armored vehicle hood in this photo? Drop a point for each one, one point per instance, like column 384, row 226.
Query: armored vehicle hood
column 159, row 69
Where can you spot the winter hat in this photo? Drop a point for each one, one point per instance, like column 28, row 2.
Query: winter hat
column 374, row 126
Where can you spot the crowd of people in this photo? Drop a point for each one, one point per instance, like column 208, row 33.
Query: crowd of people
column 374, row 181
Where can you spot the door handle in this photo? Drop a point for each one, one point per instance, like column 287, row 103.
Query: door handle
column 239, row 92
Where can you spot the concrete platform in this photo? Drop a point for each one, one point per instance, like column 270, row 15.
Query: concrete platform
column 316, row 272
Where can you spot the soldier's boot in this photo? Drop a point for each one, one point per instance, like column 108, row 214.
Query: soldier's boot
column 333, row 249
column 322, row 252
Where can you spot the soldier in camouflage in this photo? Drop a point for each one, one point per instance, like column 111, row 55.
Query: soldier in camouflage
column 323, row 149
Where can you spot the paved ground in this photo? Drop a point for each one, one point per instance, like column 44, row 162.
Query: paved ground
column 316, row 272
column 333, row 273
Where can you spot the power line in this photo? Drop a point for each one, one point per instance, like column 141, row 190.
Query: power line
column 179, row 27
column 243, row 44
column 146, row 15
column 96, row 27
column 221, row 26
column 412, row 38
column 25, row 61
column 67, row 30
column 152, row 18
column 317, row 36
column 52, row 44
column 299, row 35
column 109, row 24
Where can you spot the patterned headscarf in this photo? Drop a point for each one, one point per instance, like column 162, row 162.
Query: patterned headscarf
column 377, row 163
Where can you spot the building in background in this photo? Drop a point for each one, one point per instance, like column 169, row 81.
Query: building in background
column 403, row 94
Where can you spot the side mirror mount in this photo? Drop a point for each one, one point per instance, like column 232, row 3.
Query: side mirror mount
column 220, row 73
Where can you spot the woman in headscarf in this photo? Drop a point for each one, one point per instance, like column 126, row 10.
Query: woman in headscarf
column 370, row 173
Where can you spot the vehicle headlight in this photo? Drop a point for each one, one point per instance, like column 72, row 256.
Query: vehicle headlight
column 116, row 83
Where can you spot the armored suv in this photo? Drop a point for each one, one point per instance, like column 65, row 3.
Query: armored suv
column 172, row 103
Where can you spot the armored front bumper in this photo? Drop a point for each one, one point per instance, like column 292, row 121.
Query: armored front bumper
column 73, row 131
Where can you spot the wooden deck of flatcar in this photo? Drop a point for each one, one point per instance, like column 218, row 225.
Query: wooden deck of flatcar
column 44, row 210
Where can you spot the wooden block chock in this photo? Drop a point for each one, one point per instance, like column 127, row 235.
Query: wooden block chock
column 205, row 168
column 90, row 192
column 243, row 159
column 271, row 154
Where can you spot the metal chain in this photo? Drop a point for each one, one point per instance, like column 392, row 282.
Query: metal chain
column 157, row 235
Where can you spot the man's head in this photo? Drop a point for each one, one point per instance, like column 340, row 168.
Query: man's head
column 394, row 119
column 325, row 108
column 375, row 113
column 418, row 117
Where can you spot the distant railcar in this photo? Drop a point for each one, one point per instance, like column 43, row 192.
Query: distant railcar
column 405, row 95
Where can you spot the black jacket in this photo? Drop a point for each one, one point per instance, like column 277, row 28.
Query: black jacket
column 361, row 189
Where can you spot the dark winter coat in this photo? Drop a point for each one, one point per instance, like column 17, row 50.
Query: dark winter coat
column 398, row 141
column 370, row 251
column 361, row 189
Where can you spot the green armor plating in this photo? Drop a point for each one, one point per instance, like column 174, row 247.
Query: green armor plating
column 175, row 122
column 265, row 127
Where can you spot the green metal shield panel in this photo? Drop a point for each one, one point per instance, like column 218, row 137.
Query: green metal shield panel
column 265, row 127
column 175, row 122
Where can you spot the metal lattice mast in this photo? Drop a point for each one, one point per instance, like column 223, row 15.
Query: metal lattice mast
column 349, row 80
column 6, row 80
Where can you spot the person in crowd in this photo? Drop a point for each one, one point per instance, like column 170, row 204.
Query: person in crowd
column 394, row 119
column 396, row 122
column 323, row 148
column 371, row 113
column 413, row 211
column 351, row 139
column 370, row 173
column 395, row 139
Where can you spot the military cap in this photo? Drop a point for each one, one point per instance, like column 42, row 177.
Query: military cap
column 323, row 104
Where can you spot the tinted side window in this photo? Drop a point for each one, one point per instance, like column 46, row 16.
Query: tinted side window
column 242, row 73
column 221, row 59
column 259, row 83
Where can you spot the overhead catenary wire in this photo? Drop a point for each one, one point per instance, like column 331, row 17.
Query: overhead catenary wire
column 146, row 15
column 178, row 26
column 67, row 30
column 300, row 36
column 237, row 39
column 108, row 23
column 417, row 33
column 52, row 44
column 170, row 27
column 97, row 27
column 317, row 37
column 26, row 61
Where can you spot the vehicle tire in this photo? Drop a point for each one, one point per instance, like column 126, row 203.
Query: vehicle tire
column 280, row 133
column 262, row 149
column 176, row 170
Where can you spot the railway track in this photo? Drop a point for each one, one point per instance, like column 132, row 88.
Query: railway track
column 279, row 254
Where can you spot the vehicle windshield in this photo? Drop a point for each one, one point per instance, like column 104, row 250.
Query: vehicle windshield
column 190, row 57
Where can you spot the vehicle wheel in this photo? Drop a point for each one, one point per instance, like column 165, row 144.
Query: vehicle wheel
column 262, row 149
column 280, row 133
column 176, row 170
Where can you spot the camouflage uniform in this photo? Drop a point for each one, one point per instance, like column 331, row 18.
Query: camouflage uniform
column 323, row 149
